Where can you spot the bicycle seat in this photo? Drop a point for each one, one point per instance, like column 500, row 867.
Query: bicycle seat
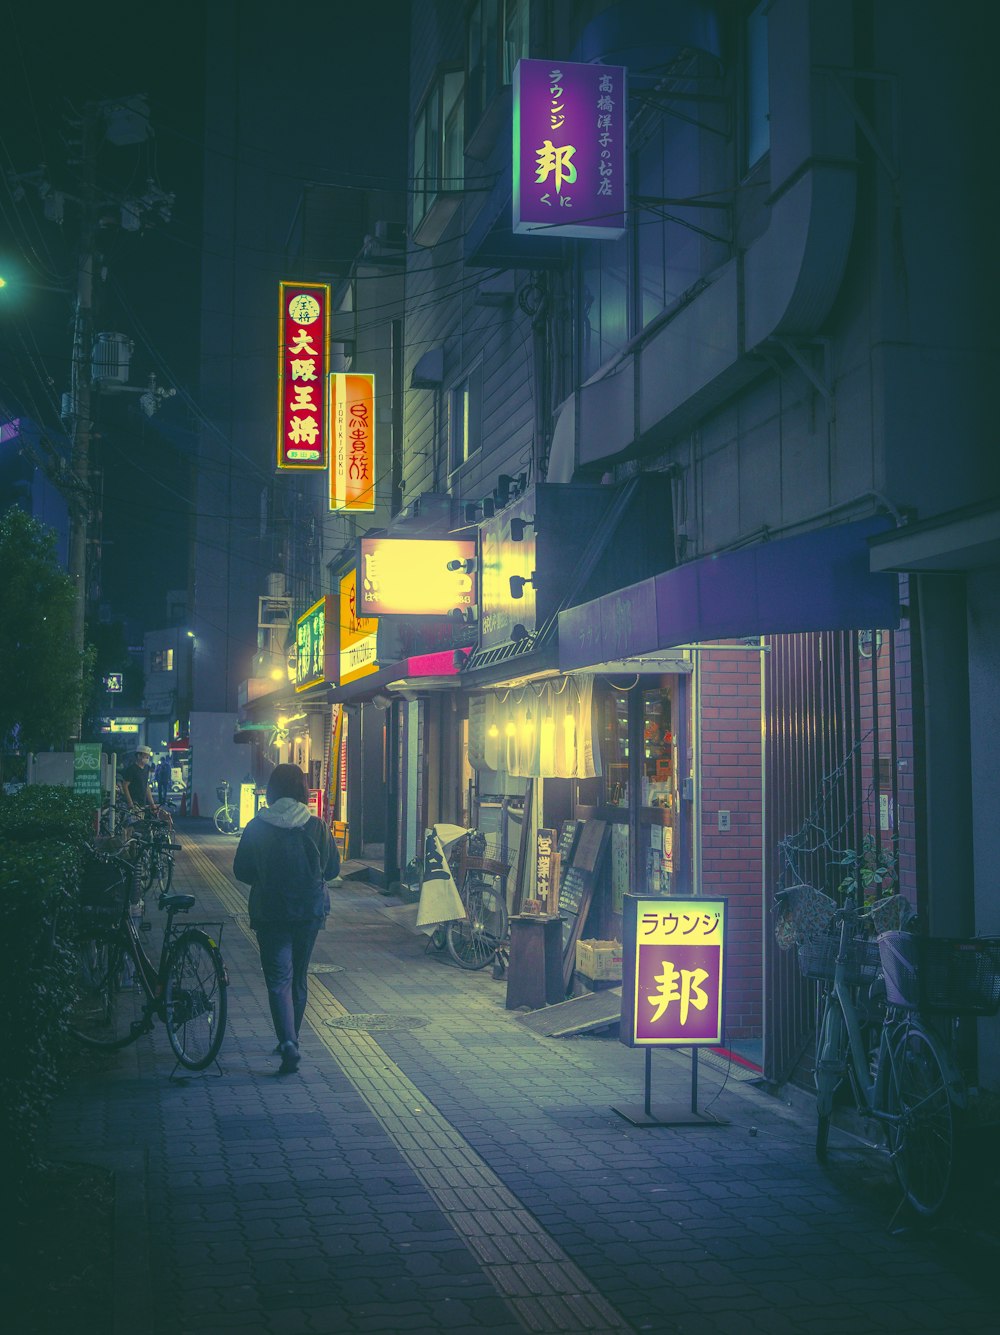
column 177, row 903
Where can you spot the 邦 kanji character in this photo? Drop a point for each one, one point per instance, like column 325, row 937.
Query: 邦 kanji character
column 553, row 160
column 683, row 985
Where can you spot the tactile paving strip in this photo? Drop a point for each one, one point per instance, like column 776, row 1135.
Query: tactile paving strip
column 539, row 1282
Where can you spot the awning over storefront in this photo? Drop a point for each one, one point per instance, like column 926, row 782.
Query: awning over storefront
column 967, row 539
column 424, row 672
column 817, row 581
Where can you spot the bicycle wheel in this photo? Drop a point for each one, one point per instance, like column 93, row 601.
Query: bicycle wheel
column 195, row 1001
column 107, row 1011
column 472, row 941
column 163, row 871
column 831, row 1066
column 225, row 820
column 922, row 1141
column 143, row 866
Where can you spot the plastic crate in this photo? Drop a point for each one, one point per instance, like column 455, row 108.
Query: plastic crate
column 948, row 975
column 599, row 960
column 818, row 959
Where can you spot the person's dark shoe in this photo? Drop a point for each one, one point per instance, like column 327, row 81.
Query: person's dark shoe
column 289, row 1058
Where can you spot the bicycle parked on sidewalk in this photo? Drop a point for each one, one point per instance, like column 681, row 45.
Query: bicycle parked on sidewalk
column 151, row 850
column 186, row 989
column 888, row 1015
column 479, row 937
column 227, row 817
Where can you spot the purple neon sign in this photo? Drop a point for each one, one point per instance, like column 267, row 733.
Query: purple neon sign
column 570, row 149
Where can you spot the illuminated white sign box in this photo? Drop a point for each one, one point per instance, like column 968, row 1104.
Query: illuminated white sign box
column 417, row 576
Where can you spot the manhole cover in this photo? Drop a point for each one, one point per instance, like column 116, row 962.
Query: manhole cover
column 325, row 968
column 371, row 1023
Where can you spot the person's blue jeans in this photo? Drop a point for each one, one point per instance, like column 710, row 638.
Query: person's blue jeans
column 285, row 951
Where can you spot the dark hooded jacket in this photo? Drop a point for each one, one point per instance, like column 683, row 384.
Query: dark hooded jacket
column 286, row 857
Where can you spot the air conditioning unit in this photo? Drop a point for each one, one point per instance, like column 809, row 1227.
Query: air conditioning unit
column 109, row 364
column 391, row 233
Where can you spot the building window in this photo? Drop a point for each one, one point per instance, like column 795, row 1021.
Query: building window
column 465, row 418
column 757, row 110
column 161, row 660
column 438, row 157
column 498, row 39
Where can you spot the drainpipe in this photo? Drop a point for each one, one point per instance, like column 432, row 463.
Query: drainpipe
column 765, row 918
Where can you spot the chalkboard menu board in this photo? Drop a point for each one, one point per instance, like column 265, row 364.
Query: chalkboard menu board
column 568, row 836
column 576, row 888
column 571, row 892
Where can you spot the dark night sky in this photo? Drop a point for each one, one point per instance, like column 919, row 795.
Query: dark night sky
column 54, row 62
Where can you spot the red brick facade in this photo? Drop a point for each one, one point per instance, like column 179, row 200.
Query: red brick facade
column 731, row 782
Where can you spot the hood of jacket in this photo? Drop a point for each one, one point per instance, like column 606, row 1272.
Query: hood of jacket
column 286, row 814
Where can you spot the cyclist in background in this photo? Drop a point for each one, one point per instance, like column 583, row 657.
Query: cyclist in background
column 135, row 785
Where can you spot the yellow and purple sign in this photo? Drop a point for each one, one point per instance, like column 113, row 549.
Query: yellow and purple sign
column 303, row 364
column 352, row 454
column 570, row 149
column 674, row 970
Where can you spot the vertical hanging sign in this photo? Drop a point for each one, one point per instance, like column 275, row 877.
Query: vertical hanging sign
column 352, row 452
column 303, row 365
column 570, row 149
column 358, row 635
column 674, row 967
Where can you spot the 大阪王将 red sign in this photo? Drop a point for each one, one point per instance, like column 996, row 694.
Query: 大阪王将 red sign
column 303, row 365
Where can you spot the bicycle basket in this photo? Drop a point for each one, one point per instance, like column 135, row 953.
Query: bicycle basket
column 950, row 975
column 818, row 959
column 104, row 891
column 222, row 792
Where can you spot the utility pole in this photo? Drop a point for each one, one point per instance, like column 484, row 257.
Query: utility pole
column 80, row 390
column 120, row 122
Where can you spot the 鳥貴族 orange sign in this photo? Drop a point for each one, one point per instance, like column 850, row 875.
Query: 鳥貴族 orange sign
column 352, row 450
column 303, row 364
column 673, row 973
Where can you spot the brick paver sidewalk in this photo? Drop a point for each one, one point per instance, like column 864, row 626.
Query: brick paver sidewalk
column 436, row 1166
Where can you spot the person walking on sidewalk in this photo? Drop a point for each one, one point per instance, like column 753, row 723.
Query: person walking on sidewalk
column 286, row 857
column 162, row 774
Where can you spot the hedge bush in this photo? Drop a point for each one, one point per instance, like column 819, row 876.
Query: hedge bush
column 43, row 833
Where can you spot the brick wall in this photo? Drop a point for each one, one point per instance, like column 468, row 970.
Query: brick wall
column 731, row 860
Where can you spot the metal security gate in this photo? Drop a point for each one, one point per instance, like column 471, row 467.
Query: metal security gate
column 832, row 797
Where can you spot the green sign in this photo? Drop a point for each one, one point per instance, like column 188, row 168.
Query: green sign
column 87, row 768
column 311, row 647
